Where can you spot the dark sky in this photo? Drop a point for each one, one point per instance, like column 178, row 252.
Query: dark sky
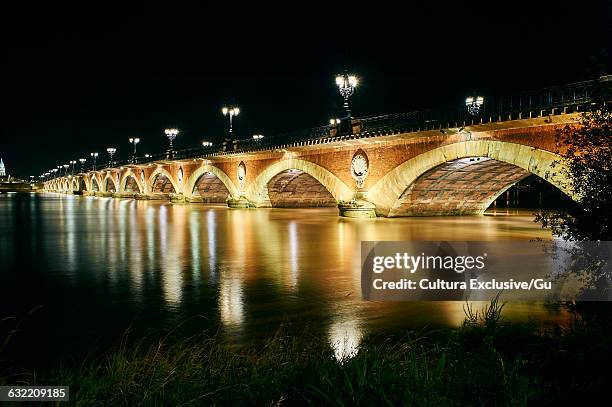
column 78, row 78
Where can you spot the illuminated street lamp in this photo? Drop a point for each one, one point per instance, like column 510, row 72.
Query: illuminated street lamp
column 82, row 161
column 147, row 155
column 346, row 85
column 257, row 138
column 230, row 112
column 65, row 168
column 171, row 134
column 95, row 156
column 111, row 152
column 206, row 144
column 72, row 162
column 333, row 122
column 134, row 141
column 473, row 104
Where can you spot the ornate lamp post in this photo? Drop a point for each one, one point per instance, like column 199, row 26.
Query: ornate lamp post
column 134, row 141
column 111, row 152
column 346, row 85
column 171, row 134
column 206, row 144
column 72, row 162
column 258, row 138
column 82, row 161
column 95, row 156
column 473, row 104
column 65, row 168
column 230, row 112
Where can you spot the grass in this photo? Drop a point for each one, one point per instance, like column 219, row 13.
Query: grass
column 482, row 363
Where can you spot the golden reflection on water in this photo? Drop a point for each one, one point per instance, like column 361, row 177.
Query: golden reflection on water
column 245, row 268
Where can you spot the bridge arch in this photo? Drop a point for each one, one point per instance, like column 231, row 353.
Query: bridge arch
column 128, row 180
column 192, row 182
column 83, row 184
column 109, row 177
column 95, row 184
column 257, row 191
column 387, row 192
column 165, row 173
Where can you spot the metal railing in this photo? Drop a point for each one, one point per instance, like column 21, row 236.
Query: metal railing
column 569, row 98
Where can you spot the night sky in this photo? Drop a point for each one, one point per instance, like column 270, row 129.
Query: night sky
column 78, row 78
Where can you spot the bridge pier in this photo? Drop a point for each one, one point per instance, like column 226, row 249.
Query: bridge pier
column 240, row 203
column 357, row 208
column 177, row 198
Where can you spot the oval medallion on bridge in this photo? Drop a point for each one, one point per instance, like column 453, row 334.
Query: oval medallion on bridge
column 359, row 167
column 180, row 175
column 142, row 178
column 241, row 174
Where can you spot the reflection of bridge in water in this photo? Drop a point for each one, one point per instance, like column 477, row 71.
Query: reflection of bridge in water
column 435, row 162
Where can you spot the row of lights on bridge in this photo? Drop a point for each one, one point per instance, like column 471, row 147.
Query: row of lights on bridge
column 170, row 134
column 346, row 85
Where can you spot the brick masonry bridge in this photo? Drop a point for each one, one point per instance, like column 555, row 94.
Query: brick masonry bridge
column 389, row 166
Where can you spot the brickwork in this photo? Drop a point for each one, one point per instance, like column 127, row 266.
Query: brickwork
column 210, row 189
column 162, row 185
column 109, row 184
column 296, row 189
column 465, row 186
column 131, row 185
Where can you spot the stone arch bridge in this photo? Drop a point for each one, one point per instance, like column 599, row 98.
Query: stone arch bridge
column 441, row 170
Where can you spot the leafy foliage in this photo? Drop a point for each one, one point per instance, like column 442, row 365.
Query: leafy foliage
column 586, row 149
column 586, row 167
column 485, row 362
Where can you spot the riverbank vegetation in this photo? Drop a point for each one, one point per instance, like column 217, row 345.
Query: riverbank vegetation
column 484, row 362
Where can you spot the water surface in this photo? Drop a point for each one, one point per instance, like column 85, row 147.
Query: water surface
column 95, row 266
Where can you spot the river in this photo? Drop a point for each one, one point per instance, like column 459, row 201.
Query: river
column 76, row 272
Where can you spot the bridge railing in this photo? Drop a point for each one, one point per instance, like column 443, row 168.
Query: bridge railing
column 548, row 101
column 553, row 100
